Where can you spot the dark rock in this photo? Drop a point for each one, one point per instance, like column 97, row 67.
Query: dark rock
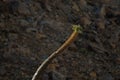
column 23, row 22
column 13, row 6
column 54, row 75
column 23, row 9
column 106, row 76
column 97, row 48
column 2, row 70
column 30, row 29
column 13, row 36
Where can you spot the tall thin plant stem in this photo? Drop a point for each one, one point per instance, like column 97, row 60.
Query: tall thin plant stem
column 42, row 67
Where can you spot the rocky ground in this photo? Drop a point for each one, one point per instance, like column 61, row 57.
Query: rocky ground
column 30, row 30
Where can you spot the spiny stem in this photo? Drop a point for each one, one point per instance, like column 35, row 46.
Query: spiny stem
column 42, row 67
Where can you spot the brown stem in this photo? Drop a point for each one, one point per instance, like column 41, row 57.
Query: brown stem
column 43, row 66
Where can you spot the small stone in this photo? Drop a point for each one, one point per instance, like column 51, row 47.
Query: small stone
column 23, row 22
column 105, row 1
column 23, row 9
column 106, row 76
column 13, row 36
column 48, row 7
column 52, row 66
column 113, row 45
column 40, row 36
column 54, row 75
column 102, row 12
column 73, row 48
column 83, row 4
column 2, row 24
column 84, row 20
column 24, row 50
column 30, row 29
column 75, row 6
column 8, row 0
column 93, row 74
column 2, row 70
column 117, row 60
column 100, row 24
column 45, row 77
